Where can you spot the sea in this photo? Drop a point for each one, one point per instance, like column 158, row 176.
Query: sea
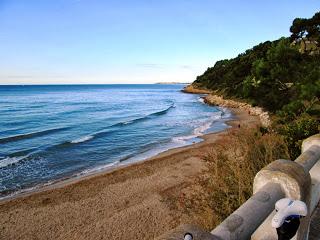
column 49, row 133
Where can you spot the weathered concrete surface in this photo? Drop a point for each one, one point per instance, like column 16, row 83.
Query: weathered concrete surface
column 310, row 152
column 310, row 141
column 314, row 233
column 308, row 158
column 295, row 183
column 264, row 231
column 246, row 219
column 315, row 186
column 197, row 233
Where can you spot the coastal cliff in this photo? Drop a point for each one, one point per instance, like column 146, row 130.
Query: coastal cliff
column 273, row 77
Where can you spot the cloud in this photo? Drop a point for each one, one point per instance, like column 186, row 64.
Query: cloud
column 152, row 65
column 28, row 76
column 162, row 66
column 187, row 67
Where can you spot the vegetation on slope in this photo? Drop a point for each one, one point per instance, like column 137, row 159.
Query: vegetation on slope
column 233, row 165
column 226, row 183
column 283, row 76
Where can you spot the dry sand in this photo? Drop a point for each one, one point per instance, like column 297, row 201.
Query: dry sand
column 126, row 203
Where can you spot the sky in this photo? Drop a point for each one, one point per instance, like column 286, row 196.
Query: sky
column 127, row 41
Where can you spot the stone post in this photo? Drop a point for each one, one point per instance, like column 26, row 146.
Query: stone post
column 295, row 183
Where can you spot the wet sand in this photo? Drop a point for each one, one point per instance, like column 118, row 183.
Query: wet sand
column 124, row 203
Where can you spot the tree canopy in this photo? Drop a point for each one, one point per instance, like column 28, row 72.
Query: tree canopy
column 277, row 76
column 303, row 28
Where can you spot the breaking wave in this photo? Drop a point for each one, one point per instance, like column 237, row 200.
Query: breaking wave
column 11, row 161
column 82, row 139
column 31, row 135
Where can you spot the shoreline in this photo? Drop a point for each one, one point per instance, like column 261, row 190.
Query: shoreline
column 104, row 169
column 131, row 196
column 109, row 168
column 217, row 100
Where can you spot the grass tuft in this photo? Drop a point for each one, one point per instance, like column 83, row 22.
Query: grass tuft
column 232, row 163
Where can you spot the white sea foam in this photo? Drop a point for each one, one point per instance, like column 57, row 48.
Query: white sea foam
column 201, row 130
column 197, row 132
column 98, row 169
column 183, row 139
column 26, row 190
column 200, row 99
column 10, row 160
column 82, row 139
column 225, row 113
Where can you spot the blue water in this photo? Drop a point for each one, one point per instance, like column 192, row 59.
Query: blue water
column 49, row 133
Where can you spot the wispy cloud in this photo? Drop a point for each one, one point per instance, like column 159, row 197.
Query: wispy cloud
column 163, row 66
column 29, row 76
column 152, row 65
column 186, row 66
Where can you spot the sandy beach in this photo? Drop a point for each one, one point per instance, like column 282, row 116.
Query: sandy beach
column 126, row 203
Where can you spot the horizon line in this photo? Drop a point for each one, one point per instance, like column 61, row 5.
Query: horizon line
column 75, row 84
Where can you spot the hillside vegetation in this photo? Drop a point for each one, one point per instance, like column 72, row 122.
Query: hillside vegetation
column 282, row 76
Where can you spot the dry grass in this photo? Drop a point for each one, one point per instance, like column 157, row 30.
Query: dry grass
column 232, row 163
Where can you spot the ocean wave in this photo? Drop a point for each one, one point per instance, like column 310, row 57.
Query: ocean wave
column 108, row 129
column 143, row 149
column 183, row 139
column 162, row 112
column 19, row 157
column 8, row 193
column 146, row 117
column 10, row 161
column 199, row 130
column 200, row 99
column 225, row 113
column 82, row 139
column 151, row 115
column 97, row 169
column 23, row 152
column 31, row 135
column 127, row 122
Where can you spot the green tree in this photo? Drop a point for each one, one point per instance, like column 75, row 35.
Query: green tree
column 303, row 29
column 276, row 76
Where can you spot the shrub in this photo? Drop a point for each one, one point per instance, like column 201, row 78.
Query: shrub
column 296, row 131
column 233, row 164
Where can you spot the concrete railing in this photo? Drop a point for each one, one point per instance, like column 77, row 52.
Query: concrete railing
column 298, row 180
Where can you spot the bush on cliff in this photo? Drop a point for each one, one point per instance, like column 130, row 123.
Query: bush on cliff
column 297, row 130
column 279, row 77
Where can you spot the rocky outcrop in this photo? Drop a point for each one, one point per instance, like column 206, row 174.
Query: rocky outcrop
column 191, row 89
column 218, row 100
column 256, row 111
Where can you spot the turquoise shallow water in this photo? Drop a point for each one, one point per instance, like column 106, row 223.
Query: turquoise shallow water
column 52, row 132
